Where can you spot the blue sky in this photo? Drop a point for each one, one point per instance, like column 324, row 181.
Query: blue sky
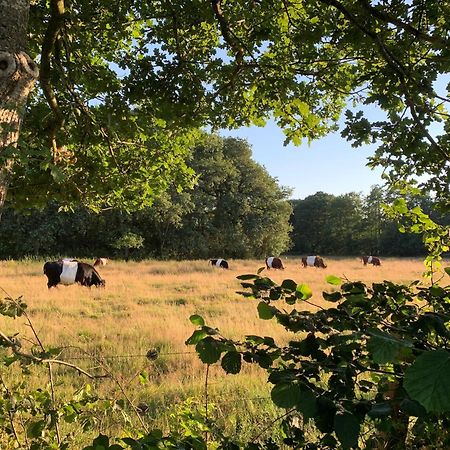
column 329, row 164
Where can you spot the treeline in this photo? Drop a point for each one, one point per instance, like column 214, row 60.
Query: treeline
column 236, row 210
column 353, row 224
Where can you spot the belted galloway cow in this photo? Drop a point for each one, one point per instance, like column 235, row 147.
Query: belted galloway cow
column 272, row 262
column 313, row 261
column 219, row 263
column 375, row 261
column 70, row 272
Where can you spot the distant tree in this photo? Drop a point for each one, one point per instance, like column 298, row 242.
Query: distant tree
column 128, row 242
column 158, row 223
column 351, row 224
column 327, row 224
column 374, row 221
column 344, row 228
column 237, row 208
column 310, row 218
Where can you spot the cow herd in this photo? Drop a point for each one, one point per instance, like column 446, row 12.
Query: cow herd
column 273, row 262
column 71, row 271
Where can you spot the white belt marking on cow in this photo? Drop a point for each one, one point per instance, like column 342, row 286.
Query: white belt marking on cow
column 369, row 259
column 310, row 260
column 69, row 272
column 218, row 262
column 270, row 261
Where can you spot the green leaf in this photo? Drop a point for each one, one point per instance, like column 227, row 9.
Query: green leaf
column 289, row 395
column 399, row 205
column 331, row 279
column 386, row 348
column 264, row 360
column 231, row 362
column 307, row 403
column 290, row 285
column 197, row 320
column 254, row 339
column 265, row 311
column 209, row 350
column 35, row 429
column 380, row 410
column 304, row 291
column 332, row 297
column 447, row 270
column 412, row 408
column 427, row 380
column 57, row 174
column 143, row 378
column 247, row 277
column 346, row 426
column 286, row 395
column 260, row 270
column 196, row 337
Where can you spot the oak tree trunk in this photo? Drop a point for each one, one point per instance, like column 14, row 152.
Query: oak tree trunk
column 18, row 74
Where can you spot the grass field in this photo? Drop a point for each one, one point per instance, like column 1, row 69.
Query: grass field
column 147, row 305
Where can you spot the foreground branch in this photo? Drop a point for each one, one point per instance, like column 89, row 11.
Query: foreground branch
column 15, row 346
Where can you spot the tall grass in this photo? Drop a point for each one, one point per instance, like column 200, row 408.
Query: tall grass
column 147, row 305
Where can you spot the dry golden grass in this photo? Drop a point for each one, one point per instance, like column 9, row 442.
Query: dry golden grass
column 148, row 304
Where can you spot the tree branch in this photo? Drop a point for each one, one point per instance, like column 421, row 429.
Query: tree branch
column 15, row 347
column 54, row 27
column 226, row 31
column 385, row 17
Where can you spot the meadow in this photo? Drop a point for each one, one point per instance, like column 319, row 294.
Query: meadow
column 146, row 305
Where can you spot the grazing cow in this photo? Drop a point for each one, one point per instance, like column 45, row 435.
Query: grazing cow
column 219, row 263
column 70, row 272
column 313, row 261
column 100, row 262
column 371, row 260
column 272, row 262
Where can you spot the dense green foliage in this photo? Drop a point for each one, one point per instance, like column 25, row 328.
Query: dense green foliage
column 226, row 215
column 236, row 209
column 370, row 371
column 353, row 224
column 130, row 78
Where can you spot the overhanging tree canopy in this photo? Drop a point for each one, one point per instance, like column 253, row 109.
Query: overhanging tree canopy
column 119, row 80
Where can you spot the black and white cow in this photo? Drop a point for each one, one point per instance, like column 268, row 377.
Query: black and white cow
column 219, row 263
column 313, row 261
column 374, row 260
column 273, row 262
column 71, row 272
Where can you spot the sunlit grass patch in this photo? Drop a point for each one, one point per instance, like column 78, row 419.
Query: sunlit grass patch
column 146, row 305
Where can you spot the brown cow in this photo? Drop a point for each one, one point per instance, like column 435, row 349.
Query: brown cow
column 371, row 260
column 219, row 263
column 313, row 261
column 100, row 262
column 272, row 262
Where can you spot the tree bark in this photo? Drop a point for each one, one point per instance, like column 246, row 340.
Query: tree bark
column 18, row 74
